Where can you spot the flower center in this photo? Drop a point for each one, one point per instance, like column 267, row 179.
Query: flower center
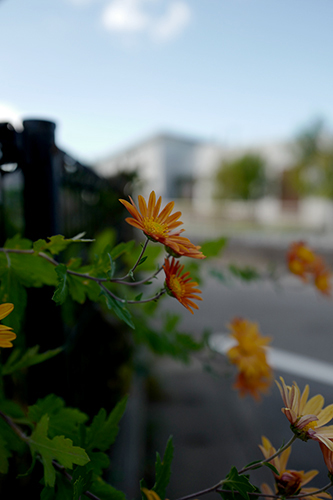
column 310, row 425
column 176, row 286
column 155, row 228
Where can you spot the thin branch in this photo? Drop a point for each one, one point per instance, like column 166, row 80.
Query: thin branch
column 259, row 464
column 131, row 271
column 202, row 492
column 136, row 283
column 63, row 471
column 123, row 301
column 14, row 427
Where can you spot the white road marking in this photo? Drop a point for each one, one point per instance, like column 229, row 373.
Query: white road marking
column 279, row 359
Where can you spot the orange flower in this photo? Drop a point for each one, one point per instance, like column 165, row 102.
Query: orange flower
column 180, row 285
column 300, row 259
column 328, row 457
column 178, row 246
column 303, row 262
column 249, row 355
column 6, row 333
column 156, row 225
column 288, row 482
column 307, row 418
column 253, row 386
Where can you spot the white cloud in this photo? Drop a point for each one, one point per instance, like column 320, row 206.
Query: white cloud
column 134, row 16
column 125, row 16
column 173, row 22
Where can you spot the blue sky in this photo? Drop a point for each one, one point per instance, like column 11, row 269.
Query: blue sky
column 112, row 72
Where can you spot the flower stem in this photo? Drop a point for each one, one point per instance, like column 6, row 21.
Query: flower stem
column 260, row 464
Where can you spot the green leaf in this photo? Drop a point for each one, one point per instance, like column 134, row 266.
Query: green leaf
column 271, row 466
column 81, row 481
column 11, row 290
column 30, row 357
column 246, row 273
column 167, row 341
column 4, row 455
column 163, row 469
column 62, row 420
column 103, row 430
column 104, row 491
column 61, row 292
column 213, row 248
column 31, row 270
column 47, row 493
column 98, row 462
column 119, row 308
column 59, row 448
column 57, row 244
column 18, row 243
column 238, row 484
column 122, row 248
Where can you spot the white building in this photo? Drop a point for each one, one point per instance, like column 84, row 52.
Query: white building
column 183, row 168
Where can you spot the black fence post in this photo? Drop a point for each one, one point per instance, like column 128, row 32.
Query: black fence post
column 39, row 165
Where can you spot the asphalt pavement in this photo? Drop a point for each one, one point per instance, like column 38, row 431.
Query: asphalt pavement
column 213, row 428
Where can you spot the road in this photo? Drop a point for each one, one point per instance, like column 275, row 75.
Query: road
column 213, row 429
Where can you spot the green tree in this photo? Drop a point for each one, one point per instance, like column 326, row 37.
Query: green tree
column 243, row 178
column 312, row 172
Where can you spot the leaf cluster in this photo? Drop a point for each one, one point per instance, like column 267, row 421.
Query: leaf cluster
column 71, row 449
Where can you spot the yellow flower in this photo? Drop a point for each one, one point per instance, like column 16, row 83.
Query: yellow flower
column 307, row 417
column 6, row 333
column 156, row 225
column 151, row 494
column 180, row 285
column 287, row 482
column 249, row 354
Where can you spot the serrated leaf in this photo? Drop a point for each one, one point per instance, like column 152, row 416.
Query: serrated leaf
column 29, row 358
column 18, row 243
column 119, row 308
column 163, row 469
column 61, row 291
column 59, row 448
column 57, row 243
column 103, row 430
column 238, row 483
column 62, row 420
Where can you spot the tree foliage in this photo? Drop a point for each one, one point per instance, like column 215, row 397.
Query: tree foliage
column 242, row 178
